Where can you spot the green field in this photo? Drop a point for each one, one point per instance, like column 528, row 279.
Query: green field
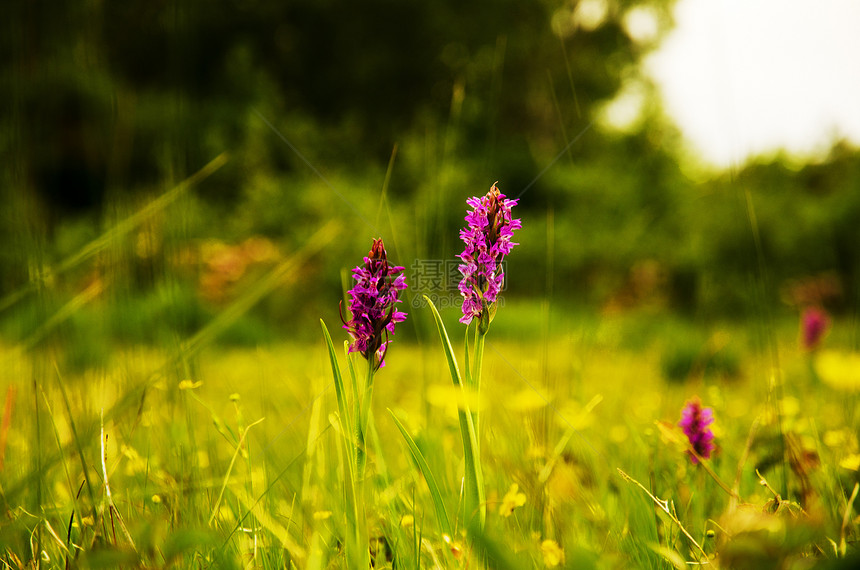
column 218, row 456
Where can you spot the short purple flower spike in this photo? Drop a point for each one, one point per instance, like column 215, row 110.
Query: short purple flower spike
column 372, row 305
column 695, row 421
column 814, row 323
column 488, row 240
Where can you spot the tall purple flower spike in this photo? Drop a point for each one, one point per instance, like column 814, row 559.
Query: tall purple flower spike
column 695, row 421
column 488, row 240
column 372, row 305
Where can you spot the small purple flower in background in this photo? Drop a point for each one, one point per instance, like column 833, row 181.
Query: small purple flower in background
column 695, row 421
column 488, row 240
column 813, row 323
column 372, row 304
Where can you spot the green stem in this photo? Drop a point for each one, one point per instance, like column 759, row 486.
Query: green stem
column 356, row 541
column 362, row 419
column 476, row 465
column 478, row 362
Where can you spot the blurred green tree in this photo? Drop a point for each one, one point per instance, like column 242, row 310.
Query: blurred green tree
column 110, row 103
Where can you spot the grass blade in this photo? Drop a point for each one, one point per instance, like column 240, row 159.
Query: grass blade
column 230, row 471
column 297, row 552
column 438, row 503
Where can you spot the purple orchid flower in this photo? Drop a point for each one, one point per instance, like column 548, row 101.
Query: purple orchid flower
column 372, row 305
column 488, row 240
column 695, row 421
column 814, row 324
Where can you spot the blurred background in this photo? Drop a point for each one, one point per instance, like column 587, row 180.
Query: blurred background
column 384, row 116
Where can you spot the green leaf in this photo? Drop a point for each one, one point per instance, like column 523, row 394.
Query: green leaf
column 343, row 409
column 446, row 344
column 438, row 503
column 356, row 546
column 475, row 503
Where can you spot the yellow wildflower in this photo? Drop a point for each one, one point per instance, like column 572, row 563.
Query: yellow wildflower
column 553, row 554
column 851, row 462
column 512, row 499
column 839, row 370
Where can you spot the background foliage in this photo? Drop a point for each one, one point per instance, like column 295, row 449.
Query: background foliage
column 111, row 104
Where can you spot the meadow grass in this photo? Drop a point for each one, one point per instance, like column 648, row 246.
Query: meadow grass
column 233, row 456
